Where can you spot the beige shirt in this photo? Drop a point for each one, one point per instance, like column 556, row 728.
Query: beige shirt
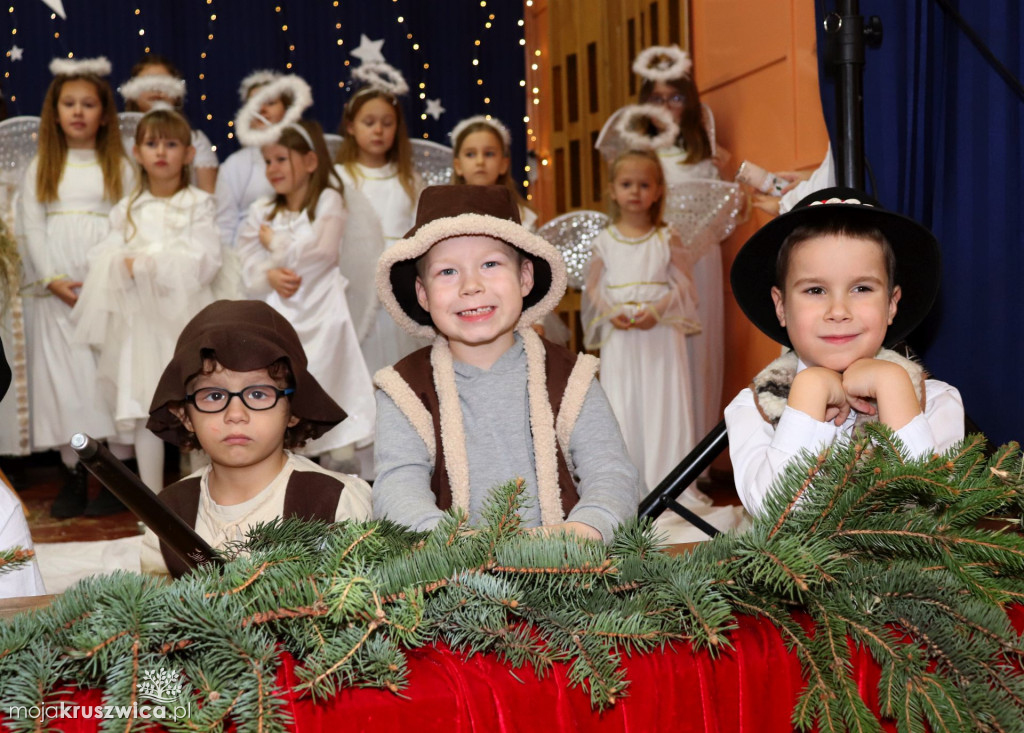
column 220, row 525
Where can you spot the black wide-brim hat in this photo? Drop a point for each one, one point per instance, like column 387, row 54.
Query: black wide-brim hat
column 918, row 259
column 244, row 335
column 444, row 212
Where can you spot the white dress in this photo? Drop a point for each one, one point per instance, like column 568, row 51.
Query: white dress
column 318, row 310
column 707, row 349
column 385, row 343
column 241, row 181
column 205, row 156
column 58, row 238
column 133, row 320
column 645, row 373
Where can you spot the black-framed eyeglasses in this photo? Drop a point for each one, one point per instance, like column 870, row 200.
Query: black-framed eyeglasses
column 255, row 397
column 675, row 100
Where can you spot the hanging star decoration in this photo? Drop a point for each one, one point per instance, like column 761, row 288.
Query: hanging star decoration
column 434, row 108
column 16, row 52
column 56, row 6
column 368, row 52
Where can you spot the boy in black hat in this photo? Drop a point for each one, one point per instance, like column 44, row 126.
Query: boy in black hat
column 490, row 401
column 238, row 388
column 836, row 280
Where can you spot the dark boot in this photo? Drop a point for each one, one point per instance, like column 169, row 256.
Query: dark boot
column 105, row 503
column 73, row 495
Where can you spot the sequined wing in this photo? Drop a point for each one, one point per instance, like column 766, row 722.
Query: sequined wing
column 19, row 138
column 573, row 235
column 433, row 162
column 703, row 211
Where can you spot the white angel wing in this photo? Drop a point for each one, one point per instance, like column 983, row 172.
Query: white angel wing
column 433, row 161
column 609, row 143
column 127, row 123
column 19, row 139
column 703, row 211
column 573, row 235
column 361, row 247
column 333, row 141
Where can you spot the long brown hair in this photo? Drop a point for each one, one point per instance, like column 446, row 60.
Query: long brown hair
column 160, row 124
column 401, row 149
column 693, row 138
column 322, row 178
column 53, row 146
column 657, row 210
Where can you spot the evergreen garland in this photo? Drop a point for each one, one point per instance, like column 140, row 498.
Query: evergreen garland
column 874, row 547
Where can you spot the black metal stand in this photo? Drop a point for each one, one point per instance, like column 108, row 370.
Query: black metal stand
column 848, row 35
column 664, row 495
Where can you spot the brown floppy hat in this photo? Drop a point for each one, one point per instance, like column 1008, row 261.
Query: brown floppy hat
column 244, row 335
column 444, row 212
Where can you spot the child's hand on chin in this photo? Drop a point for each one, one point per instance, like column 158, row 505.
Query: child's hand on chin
column 819, row 392
column 874, row 382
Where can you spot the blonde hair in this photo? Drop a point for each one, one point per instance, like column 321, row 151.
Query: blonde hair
column 160, row 124
column 322, row 178
column 401, row 149
column 53, row 145
column 657, row 210
column 504, row 179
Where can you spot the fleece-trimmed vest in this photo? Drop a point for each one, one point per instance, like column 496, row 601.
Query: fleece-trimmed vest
column 771, row 386
column 568, row 376
column 309, row 495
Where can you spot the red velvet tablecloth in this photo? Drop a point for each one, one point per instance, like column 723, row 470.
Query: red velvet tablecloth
column 750, row 688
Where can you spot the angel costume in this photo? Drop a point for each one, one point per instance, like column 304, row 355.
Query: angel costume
column 385, row 343
column 58, row 238
column 134, row 318
column 318, row 310
column 645, row 373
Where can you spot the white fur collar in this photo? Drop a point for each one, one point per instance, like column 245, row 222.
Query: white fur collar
column 771, row 385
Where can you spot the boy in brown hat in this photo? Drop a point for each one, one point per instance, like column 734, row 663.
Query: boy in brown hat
column 838, row 280
column 490, row 400
column 238, row 388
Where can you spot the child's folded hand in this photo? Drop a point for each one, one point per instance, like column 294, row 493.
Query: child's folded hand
column 819, row 392
column 645, row 319
column 622, row 321
column 882, row 387
column 284, row 281
column 66, row 289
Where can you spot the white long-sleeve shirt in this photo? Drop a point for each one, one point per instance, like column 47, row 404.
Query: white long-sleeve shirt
column 760, row 452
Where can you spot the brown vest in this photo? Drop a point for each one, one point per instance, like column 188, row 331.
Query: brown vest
column 309, row 495
column 417, row 372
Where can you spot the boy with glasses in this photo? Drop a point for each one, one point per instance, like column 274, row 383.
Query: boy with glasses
column 238, row 388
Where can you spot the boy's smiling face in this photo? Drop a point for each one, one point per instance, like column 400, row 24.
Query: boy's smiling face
column 473, row 287
column 239, row 437
column 836, row 305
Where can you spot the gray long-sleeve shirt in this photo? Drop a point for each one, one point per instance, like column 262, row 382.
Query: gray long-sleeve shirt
column 499, row 444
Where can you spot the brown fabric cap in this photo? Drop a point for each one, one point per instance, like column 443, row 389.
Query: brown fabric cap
column 244, row 335
column 444, row 212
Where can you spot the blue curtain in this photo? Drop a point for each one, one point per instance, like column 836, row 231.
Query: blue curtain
column 943, row 139
column 431, row 43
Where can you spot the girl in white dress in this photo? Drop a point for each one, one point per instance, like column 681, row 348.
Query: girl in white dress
column 695, row 156
column 79, row 173
column 156, row 79
column 375, row 158
column 146, row 280
column 639, row 310
column 241, row 179
column 289, row 248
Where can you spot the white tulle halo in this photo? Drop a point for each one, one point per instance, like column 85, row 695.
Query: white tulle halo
column 169, row 86
column 631, row 124
column 663, row 63
column 256, row 79
column 494, row 124
column 382, row 76
column 290, row 85
column 98, row 66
